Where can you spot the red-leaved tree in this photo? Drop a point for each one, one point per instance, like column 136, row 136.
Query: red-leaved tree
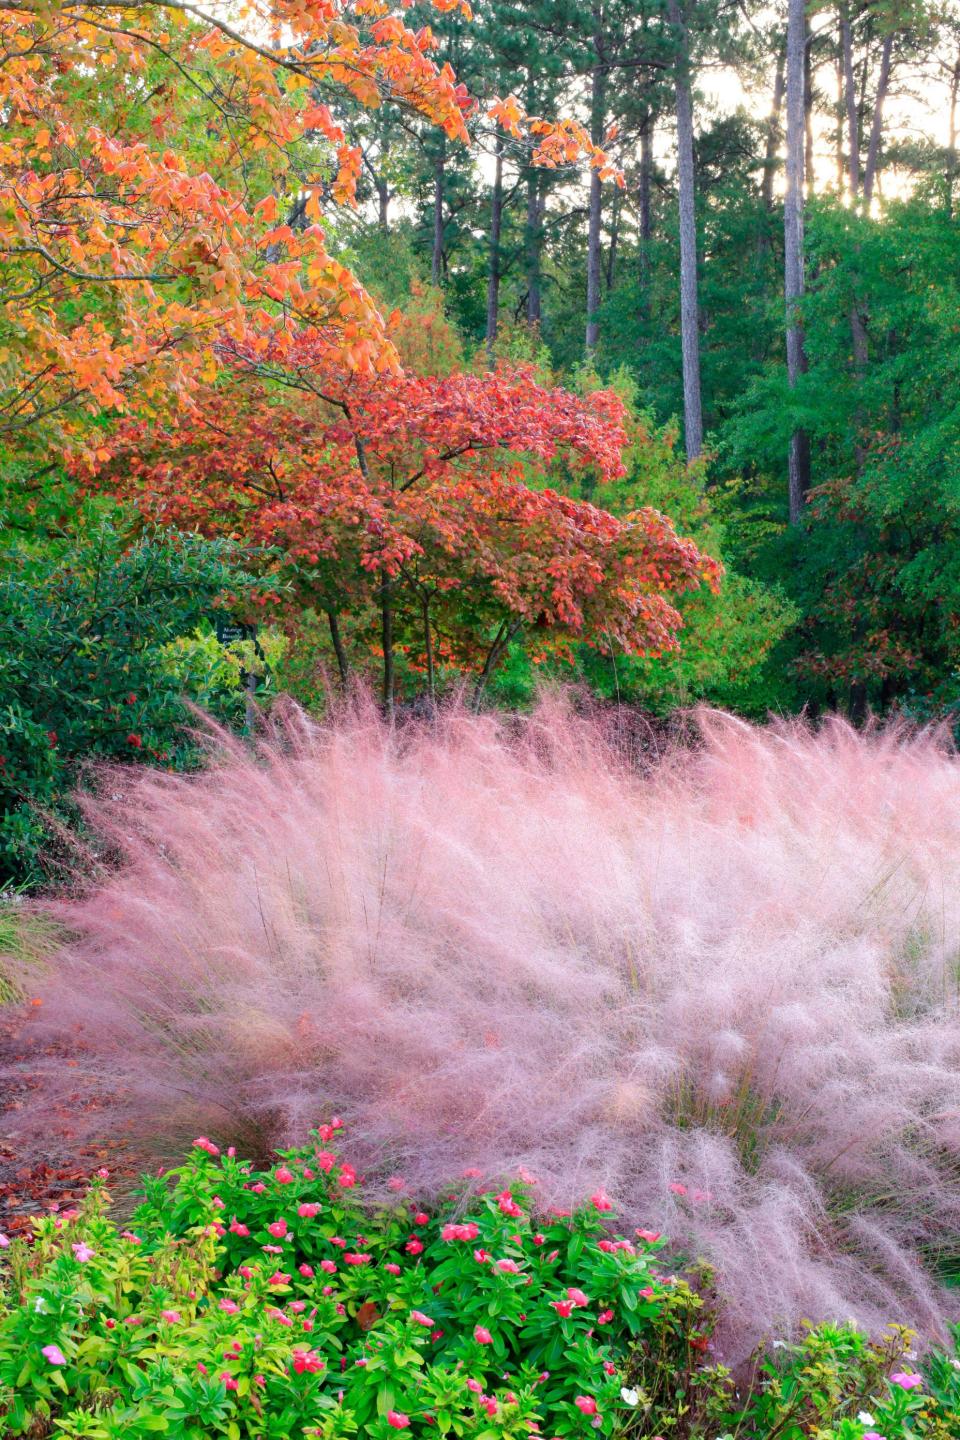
column 417, row 506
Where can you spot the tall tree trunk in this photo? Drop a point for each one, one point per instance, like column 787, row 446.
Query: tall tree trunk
column 336, row 638
column 876, row 128
column 598, row 105
column 532, row 239
column 773, row 130
column 493, row 276
column 850, row 98
column 646, row 181
column 689, row 308
column 799, row 456
column 383, row 198
column 436, row 267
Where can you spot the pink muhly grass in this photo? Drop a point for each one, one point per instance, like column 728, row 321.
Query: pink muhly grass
column 720, row 989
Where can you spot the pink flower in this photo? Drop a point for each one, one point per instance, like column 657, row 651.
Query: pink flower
column 4, row 1241
column 677, row 1188
column 475, row 1386
column 326, row 1161
column 586, row 1403
column 272, row 1249
column 279, row 1316
column 202, row 1143
column 649, row 1237
column 237, row 1228
column 482, row 1335
column 391, row 1268
column 872, row 1435
column 347, row 1177
column 259, row 1188
column 306, row 1271
column 308, row 1209
column 413, row 1246
column 228, row 1380
column 129, row 1235
column 283, row 1175
column 329, row 1267
column 418, row 1317
column 564, row 1308
column 601, row 1200
column 482, row 1257
column 509, row 1267
column 356, row 1259
column 82, row 1251
column 279, row 1278
column 277, row 1228
column 508, row 1205
column 609, row 1367
column 577, row 1296
column 397, row 1419
column 396, row 1183
column 230, row 1307
column 906, row 1380
column 604, row 1317
column 470, row 1231
column 307, row 1360
column 339, row 1241
column 54, row 1354
column 172, row 1317
column 539, row 1239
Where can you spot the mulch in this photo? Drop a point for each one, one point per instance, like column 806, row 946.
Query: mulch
column 42, row 1176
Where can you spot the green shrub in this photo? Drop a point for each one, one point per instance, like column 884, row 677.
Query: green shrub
column 92, row 670
column 278, row 1304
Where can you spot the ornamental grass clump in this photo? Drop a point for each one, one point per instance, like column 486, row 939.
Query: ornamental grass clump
column 720, row 985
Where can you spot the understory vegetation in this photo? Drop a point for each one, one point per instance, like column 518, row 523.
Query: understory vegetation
column 271, row 1303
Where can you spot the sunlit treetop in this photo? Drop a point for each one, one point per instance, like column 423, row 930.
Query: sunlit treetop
column 152, row 155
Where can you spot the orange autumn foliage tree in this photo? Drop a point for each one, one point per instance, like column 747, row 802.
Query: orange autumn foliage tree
column 150, row 151
column 405, row 503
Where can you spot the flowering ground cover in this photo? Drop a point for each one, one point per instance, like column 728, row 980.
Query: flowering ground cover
column 276, row 1303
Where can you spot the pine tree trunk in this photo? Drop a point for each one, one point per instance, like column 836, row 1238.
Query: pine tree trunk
column 808, row 103
column 594, row 264
column 850, row 98
column 799, row 456
column 689, row 308
column 876, row 128
column 493, row 278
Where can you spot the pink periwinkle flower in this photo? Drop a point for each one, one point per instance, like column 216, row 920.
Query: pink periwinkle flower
column 587, row 1404
column 482, row 1335
column 508, row 1266
column 601, row 1200
column 356, row 1259
column 414, row 1246
column 170, row 1317
column 508, row 1205
column 277, row 1228
column 202, row 1143
column 53, row 1354
column 906, row 1380
column 391, row 1268
column 284, row 1175
column 307, row 1360
column 577, row 1296
column 418, row 1318
column 329, row 1267
column 82, row 1252
column 564, row 1308
column 397, row 1419
column 308, row 1209
column 306, row 1271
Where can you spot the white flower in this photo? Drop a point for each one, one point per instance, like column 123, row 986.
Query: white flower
column 629, row 1397
column 866, row 1418
column 40, row 1305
